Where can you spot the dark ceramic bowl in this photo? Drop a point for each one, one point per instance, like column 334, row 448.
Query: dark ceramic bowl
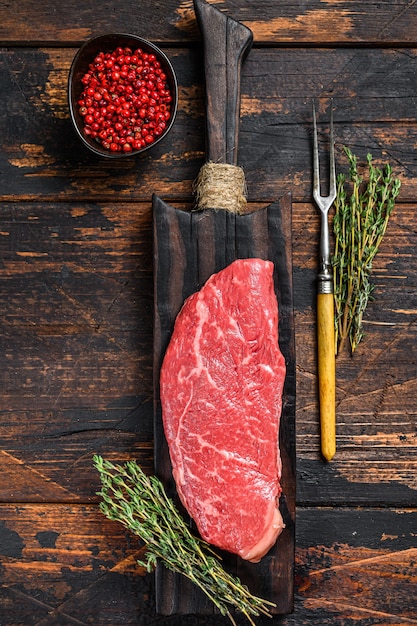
column 80, row 66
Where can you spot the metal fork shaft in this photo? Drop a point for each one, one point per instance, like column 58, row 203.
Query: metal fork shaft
column 325, row 275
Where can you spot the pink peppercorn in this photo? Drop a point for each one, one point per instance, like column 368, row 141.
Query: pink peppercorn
column 126, row 100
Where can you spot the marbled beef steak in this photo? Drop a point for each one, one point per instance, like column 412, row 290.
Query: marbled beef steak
column 221, row 392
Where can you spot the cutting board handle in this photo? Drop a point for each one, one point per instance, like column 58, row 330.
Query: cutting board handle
column 226, row 42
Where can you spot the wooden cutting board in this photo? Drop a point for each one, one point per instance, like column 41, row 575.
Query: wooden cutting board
column 188, row 248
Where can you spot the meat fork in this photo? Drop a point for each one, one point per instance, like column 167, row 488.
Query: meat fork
column 325, row 302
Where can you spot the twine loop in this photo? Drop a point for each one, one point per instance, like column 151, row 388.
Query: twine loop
column 221, row 186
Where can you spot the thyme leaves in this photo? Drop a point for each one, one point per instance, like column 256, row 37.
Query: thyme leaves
column 140, row 503
column 362, row 212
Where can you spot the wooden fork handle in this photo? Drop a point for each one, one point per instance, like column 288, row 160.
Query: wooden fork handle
column 326, row 373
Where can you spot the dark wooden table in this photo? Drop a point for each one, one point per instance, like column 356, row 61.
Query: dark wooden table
column 77, row 296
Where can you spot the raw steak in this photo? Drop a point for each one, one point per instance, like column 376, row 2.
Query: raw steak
column 221, row 393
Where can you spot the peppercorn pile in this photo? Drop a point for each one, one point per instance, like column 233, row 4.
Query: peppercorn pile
column 126, row 100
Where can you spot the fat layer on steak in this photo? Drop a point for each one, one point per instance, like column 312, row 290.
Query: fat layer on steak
column 221, row 393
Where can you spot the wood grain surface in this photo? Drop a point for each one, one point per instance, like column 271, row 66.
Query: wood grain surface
column 76, row 305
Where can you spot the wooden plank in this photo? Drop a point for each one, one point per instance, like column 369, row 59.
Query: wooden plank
column 60, row 562
column 67, row 564
column 336, row 22
column 76, row 337
column 45, row 159
column 340, row 584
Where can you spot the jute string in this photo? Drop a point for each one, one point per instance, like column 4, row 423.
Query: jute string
column 221, row 186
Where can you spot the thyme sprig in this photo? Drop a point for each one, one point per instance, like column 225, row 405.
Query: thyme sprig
column 361, row 217
column 140, row 503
